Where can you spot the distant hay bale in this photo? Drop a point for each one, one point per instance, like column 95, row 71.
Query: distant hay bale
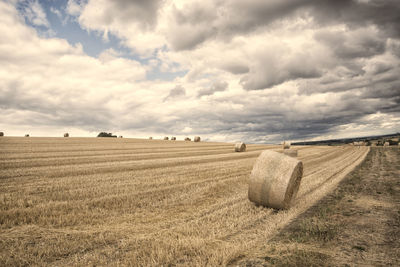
column 1, row 134
column 286, row 145
column 240, row 147
column 196, row 139
column 275, row 180
column 66, row 135
column 27, row 135
column 166, row 138
column 150, row 138
column 188, row 139
column 120, row 136
column 173, row 138
column 290, row 152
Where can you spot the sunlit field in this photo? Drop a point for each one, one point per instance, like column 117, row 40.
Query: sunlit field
column 110, row 201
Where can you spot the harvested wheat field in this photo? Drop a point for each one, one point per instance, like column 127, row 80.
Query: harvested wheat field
column 100, row 201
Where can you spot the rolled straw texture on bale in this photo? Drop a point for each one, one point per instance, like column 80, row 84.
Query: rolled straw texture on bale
column 275, row 180
column 173, row 138
column 66, row 135
column 240, row 147
column 1, row 134
column 197, row 139
column 290, row 152
column 166, row 138
column 286, row 145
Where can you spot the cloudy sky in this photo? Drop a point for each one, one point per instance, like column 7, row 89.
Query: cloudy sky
column 255, row 70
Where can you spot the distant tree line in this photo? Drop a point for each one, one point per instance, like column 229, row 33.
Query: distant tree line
column 104, row 134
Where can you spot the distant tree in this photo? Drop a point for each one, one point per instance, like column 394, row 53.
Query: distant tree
column 104, row 134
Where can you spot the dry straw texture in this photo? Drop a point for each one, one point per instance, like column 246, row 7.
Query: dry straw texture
column 286, row 145
column 275, row 180
column 240, row 147
column 1, row 134
column 197, row 139
column 66, row 135
column 166, row 138
column 290, row 152
column 173, row 138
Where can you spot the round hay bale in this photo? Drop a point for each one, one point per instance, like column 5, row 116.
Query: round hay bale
column 1, row 134
column 286, row 145
column 240, row 147
column 290, row 152
column 66, row 135
column 150, row 138
column 166, row 138
column 188, row 139
column 27, row 135
column 275, row 180
column 173, row 138
column 120, row 136
column 196, row 139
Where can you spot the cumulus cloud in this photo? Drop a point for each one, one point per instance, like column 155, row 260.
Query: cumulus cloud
column 74, row 7
column 216, row 87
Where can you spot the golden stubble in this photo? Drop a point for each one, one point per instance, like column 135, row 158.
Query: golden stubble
column 83, row 201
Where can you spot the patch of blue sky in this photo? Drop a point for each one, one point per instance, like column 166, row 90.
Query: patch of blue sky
column 66, row 27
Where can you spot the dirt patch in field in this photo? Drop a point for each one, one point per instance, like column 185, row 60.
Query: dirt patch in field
column 357, row 225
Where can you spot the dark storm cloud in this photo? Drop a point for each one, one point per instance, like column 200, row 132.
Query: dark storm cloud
column 142, row 11
column 236, row 68
column 269, row 70
column 216, row 87
column 354, row 44
column 217, row 21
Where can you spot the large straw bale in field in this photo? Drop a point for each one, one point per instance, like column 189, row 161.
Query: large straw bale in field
column 66, row 135
column 173, row 138
column 275, row 180
column 27, row 135
column 166, row 138
column 188, row 139
column 150, row 138
column 290, row 152
column 196, row 139
column 1, row 134
column 240, row 147
column 120, row 136
column 286, row 145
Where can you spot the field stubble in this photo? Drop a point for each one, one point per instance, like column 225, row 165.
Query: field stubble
column 83, row 201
